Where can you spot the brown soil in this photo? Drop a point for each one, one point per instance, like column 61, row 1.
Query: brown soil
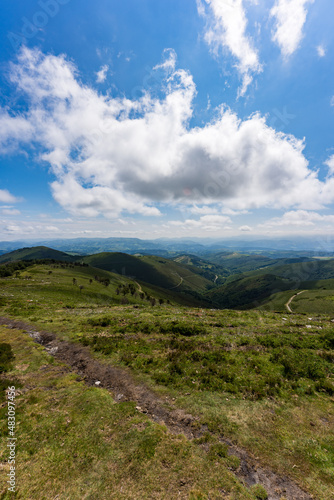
column 124, row 388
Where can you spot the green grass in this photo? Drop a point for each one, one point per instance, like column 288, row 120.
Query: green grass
column 248, row 292
column 261, row 378
column 75, row 442
column 157, row 271
column 36, row 253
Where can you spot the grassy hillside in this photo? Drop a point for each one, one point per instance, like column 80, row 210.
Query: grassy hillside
column 299, row 272
column 36, row 253
column 248, row 292
column 76, row 442
column 211, row 271
column 157, row 271
column 237, row 262
column 260, row 380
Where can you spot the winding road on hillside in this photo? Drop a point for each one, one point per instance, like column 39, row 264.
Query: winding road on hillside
column 287, row 305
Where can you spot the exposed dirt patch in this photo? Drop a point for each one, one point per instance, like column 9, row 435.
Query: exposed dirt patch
column 124, row 388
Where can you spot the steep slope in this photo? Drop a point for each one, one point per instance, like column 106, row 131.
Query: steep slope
column 157, row 271
column 33, row 253
column 248, row 292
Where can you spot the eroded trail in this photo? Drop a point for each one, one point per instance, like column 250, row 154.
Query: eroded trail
column 124, row 388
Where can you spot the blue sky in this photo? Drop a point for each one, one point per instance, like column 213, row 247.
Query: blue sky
column 209, row 118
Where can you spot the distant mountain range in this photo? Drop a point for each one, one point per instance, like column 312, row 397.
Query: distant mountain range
column 167, row 246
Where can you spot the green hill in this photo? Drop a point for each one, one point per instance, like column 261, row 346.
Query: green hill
column 157, row 271
column 33, row 253
column 238, row 262
column 248, row 292
column 209, row 270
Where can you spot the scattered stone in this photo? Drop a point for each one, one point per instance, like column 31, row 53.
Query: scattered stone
column 97, row 383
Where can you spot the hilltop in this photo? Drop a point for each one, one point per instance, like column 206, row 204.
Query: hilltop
column 33, row 253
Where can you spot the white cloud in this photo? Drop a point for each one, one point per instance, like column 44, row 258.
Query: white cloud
column 245, row 228
column 290, row 17
column 321, row 51
column 6, row 196
column 10, row 211
column 203, row 210
column 300, row 218
column 115, row 155
column 204, row 223
column 12, row 130
column 330, row 165
column 102, row 74
column 227, row 29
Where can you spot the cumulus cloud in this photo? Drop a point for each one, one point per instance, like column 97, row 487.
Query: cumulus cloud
column 102, row 74
column 113, row 155
column 227, row 29
column 290, row 17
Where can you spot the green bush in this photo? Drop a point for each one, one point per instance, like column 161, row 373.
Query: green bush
column 6, row 357
column 259, row 492
column 218, row 450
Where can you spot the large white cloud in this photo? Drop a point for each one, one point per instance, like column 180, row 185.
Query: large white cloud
column 112, row 155
column 290, row 17
column 227, row 29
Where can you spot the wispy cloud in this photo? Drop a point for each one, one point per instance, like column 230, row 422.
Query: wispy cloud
column 102, row 74
column 290, row 17
column 227, row 29
column 6, row 196
column 10, row 211
column 321, row 51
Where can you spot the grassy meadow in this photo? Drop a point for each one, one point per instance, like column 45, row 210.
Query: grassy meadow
column 264, row 380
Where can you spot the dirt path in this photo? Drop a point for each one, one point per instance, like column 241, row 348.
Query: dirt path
column 124, row 388
column 140, row 290
column 179, row 284
column 287, row 305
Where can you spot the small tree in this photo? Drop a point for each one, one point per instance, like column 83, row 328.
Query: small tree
column 81, row 287
column 74, row 281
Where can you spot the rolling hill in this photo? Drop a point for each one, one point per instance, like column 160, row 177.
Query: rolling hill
column 248, row 292
column 32, row 253
column 157, row 271
column 239, row 262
